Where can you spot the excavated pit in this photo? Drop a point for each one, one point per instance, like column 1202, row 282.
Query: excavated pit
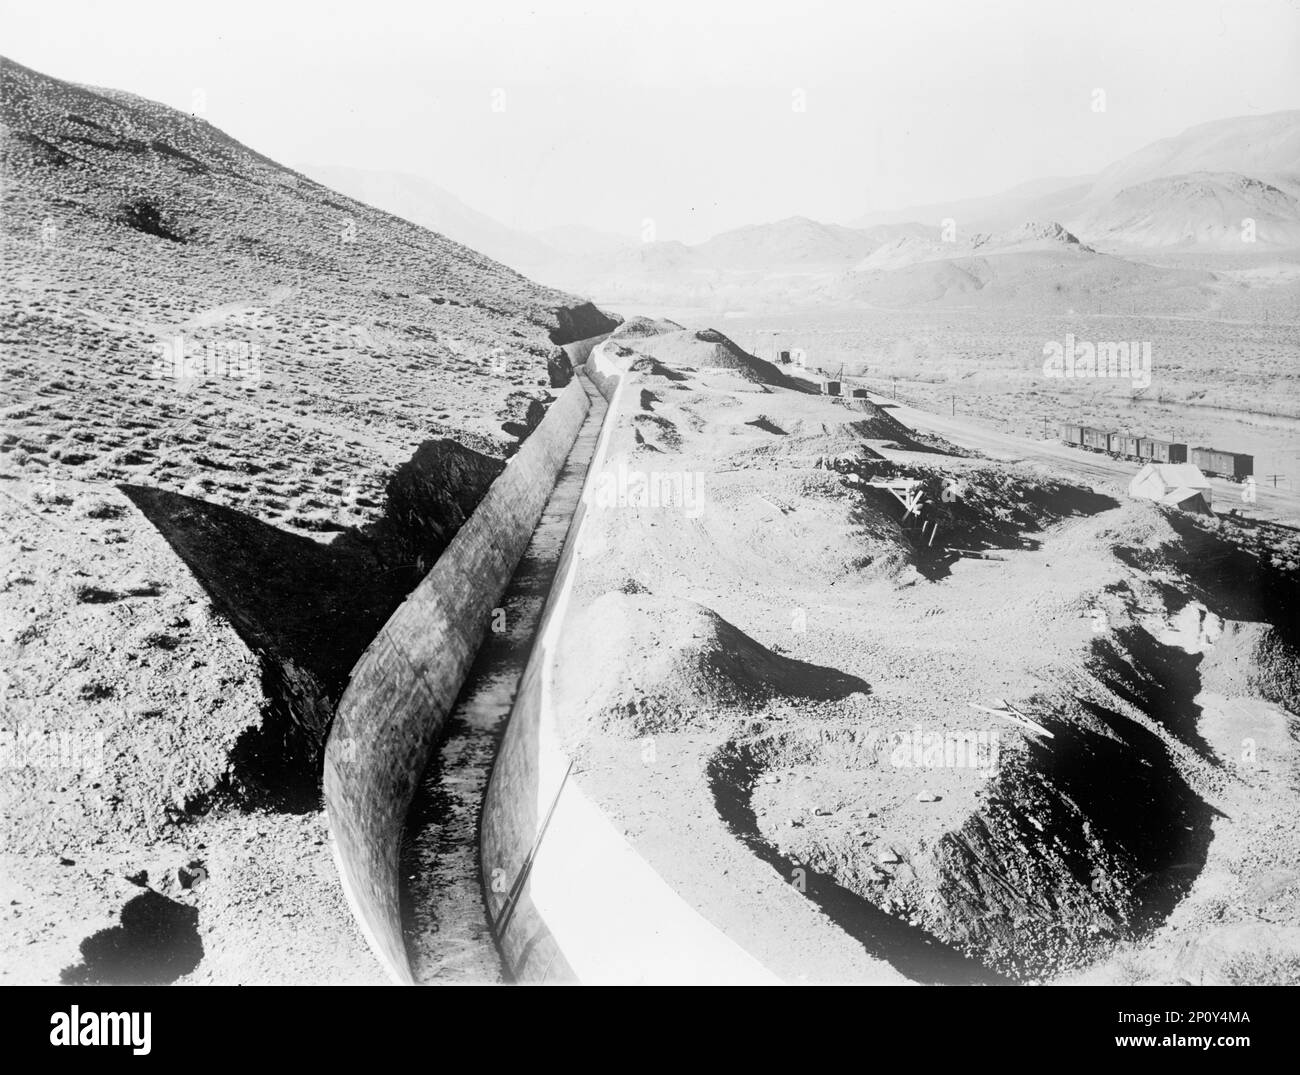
column 971, row 507
column 1024, row 859
column 839, row 884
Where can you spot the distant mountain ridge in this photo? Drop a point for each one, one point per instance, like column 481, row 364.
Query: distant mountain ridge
column 1197, row 209
column 1266, row 147
column 1127, row 203
column 1031, row 235
column 1230, row 185
column 795, row 242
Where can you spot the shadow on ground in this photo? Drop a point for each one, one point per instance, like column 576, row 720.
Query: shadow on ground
column 156, row 943
column 307, row 608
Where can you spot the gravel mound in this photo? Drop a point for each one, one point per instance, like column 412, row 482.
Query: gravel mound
column 660, row 664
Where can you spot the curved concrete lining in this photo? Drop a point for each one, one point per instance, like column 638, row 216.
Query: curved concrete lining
column 580, row 349
column 603, row 371
column 406, row 682
column 446, row 929
column 570, row 899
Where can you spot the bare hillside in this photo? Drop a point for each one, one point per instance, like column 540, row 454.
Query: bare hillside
column 243, row 414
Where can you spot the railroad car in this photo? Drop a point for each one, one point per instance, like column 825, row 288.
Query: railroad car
column 1096, row 440
column 1124, row 446
column 1072, row 434
column 1153, row 450
column 1234, row 466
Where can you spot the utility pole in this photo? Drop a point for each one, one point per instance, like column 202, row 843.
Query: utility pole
column 895, row 387
column 954, row 406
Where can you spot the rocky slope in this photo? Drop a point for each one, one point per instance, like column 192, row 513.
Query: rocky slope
column 242, row 415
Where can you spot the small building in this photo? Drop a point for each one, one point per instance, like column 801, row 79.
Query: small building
column 830, row 388
column 1177, row 485
column 860, row 393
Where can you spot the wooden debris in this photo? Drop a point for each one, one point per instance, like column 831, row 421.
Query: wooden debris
column 1009, row 712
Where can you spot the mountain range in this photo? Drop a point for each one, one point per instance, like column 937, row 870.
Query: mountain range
column 1231, row 186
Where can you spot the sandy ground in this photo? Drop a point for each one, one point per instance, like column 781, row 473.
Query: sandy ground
column 125, row 694
column 1223, row 378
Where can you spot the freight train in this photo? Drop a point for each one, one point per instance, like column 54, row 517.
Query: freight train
column 1235, row 466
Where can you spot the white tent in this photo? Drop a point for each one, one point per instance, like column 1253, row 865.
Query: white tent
column 1180, row 485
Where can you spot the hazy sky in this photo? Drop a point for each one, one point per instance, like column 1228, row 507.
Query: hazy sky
column 685, row 112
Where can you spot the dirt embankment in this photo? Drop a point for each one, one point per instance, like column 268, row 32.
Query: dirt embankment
column 1008, row 768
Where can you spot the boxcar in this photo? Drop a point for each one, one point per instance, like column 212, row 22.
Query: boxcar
column 1098, row 440
column 1161, row 451
column 1125, row 446
column 1233, row 465
column 1072, row 434
column 1115, row 444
